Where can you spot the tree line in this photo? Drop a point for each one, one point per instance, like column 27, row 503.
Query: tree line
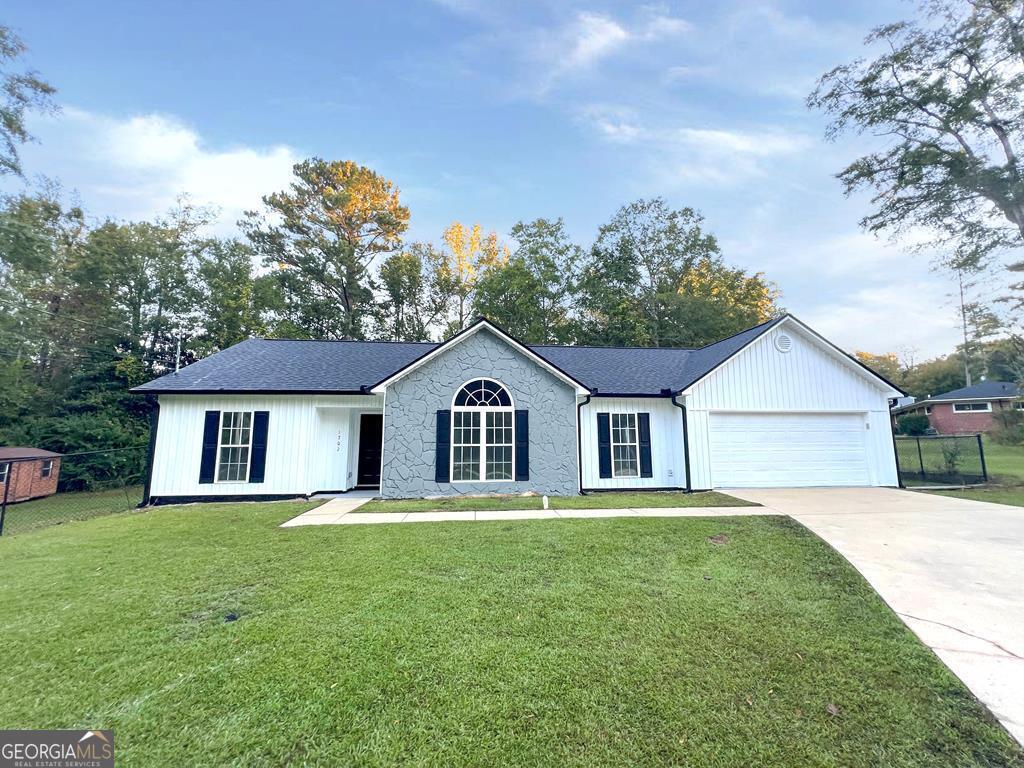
column 92, row 308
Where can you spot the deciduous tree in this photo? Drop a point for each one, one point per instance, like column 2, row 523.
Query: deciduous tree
column 531, row 296
column 20, row 93
column 654, row 277
column 470, row 255
column 946, row 98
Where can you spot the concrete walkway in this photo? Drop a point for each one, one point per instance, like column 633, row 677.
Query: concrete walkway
column 330, row 512
column 338, row 512
column 952, row 569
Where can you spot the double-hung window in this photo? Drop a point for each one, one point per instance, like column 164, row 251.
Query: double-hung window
column 4, row 471
column 1019, row 405
column 625, row 445
column 234, row 446
column 47, row 468
column 482, row 433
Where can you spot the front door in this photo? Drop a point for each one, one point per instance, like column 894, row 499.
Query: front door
column 370, row 441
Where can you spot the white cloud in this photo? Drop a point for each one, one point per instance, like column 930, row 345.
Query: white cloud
column 728, row 142
column 616, row 124
column 693, row 154
column 137, row 167
column 589, row 37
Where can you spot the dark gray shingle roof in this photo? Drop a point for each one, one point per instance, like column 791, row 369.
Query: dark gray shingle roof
column 982, row 389
column 281, row 366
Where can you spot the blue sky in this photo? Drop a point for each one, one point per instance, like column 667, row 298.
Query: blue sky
column 492, row 113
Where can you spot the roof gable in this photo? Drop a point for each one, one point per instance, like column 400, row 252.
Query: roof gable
column 733, row 346
column 480, row 326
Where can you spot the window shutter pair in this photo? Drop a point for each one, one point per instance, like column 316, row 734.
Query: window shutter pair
column 443, row 444
column 604, row 445
column 257, row 454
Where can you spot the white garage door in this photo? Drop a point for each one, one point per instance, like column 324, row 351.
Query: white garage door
column 787, row 450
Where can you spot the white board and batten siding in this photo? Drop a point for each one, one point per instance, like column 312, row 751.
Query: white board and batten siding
column 667, row 461
column 803, row 417
column 311, row 443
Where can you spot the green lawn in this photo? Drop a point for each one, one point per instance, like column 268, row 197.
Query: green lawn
column 1012, row 495
column 1006, row 468
column 698, row 641
column 1005, row 462
column 590, row 501
column 65, row 507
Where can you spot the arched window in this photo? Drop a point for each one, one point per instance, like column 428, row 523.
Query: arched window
column 482, row 439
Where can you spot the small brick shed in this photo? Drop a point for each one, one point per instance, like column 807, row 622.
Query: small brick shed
column 30, row 473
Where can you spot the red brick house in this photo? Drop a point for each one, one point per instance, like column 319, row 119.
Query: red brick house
column 29, row 472
column 967, row 410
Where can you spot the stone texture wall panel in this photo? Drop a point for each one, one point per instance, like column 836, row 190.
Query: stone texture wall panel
column 410, row 415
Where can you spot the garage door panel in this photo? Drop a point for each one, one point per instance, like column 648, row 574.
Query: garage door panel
column 786, row 450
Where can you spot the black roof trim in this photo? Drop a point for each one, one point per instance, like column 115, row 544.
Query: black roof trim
column 251, row 392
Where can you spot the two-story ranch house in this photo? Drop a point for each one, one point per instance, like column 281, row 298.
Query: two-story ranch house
column 480, row 413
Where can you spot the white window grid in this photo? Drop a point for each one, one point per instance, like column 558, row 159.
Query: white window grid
column 625, row 443
column 483, row 435
column 234, row 447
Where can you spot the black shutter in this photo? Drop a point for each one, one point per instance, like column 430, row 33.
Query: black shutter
column 643, row 422
column 258, row 460
column 522, row 445
column 208, row 465
column 604, row 446
column 442, row 457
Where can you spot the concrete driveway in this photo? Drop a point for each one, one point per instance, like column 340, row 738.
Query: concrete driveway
column 952, row 569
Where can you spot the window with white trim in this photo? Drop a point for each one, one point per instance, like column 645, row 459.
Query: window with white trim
column 1019, row 405
column 968, row 407
column 625, row 445
column 482, row 433
column 4, row 471
column 234, row 446
column 47, row 468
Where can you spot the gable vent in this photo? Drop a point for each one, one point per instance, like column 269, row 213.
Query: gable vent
column 783, row 343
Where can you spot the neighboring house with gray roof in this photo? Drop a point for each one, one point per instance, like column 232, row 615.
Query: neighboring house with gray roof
column 775, row 405
column 967, row 410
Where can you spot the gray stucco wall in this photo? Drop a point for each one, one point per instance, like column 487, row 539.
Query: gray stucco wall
column 410, row 415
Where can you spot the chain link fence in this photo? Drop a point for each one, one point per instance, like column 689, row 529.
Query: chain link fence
column 44, row 490
column 941, row 460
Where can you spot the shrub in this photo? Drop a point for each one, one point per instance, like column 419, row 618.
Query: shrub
column 1009, row 427
column 952, row 455
column 913, row 424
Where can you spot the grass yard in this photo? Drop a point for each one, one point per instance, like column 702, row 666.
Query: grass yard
column 590, row 501
column 208, row 631
column 65, row 507
column 1006, row 467
column 1012, row 495
column 1005, row 462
